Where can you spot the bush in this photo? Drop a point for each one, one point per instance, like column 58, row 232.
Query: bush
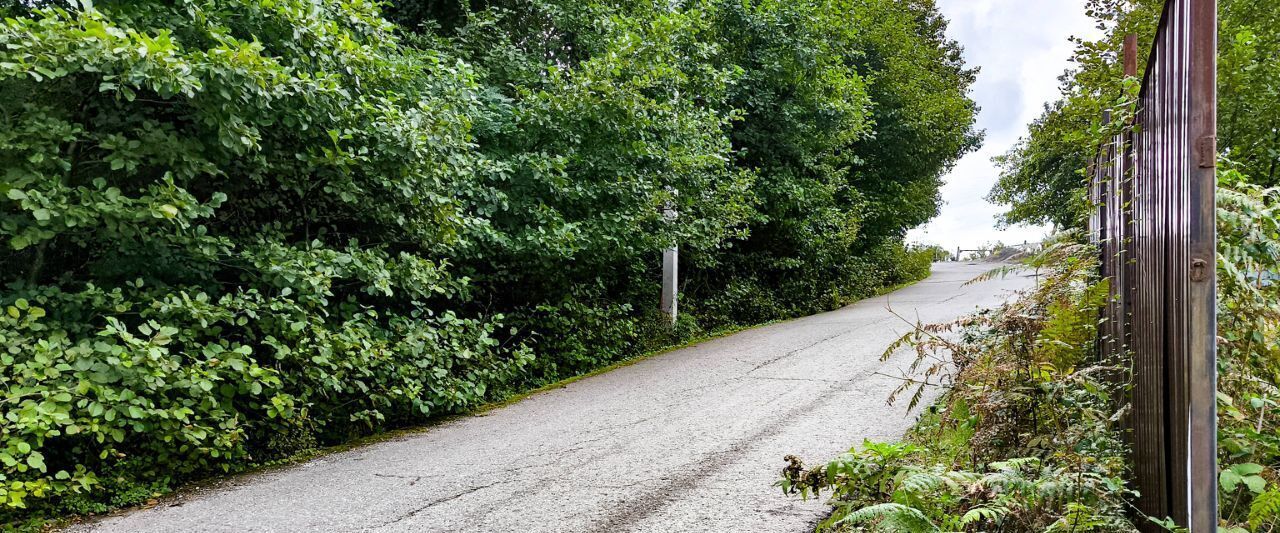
column 1019, row 394
column 220, row 237
column 238, row 229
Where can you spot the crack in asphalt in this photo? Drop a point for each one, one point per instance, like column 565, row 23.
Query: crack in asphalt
column 637, row 509
column 438, row 501
column 798, row 350
column 570, row 448
column 412, row 479
column 684, row 394
column 810, row 380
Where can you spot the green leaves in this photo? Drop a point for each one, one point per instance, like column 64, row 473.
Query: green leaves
column 1248, row 326
column 238, row 229
column 1042, row 181
column 165, row 170
column 36, row 460
column 1245, row 474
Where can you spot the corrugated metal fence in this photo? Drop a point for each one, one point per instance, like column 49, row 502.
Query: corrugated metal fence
column 1153, row 188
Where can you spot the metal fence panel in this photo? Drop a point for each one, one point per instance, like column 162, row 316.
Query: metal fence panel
column 1154, row 223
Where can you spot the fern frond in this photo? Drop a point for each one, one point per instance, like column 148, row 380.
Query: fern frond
column 921, row 482
column 891, row 518
column 1080, row 517
column 1017, row 463
column 894, row 346
column 1001, row 272
column 993, row 514
column 1265, row 509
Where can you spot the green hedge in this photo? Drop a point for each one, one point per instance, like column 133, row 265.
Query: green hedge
column 240, row 229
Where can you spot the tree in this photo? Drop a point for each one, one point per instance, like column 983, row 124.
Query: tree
column 1042, row 176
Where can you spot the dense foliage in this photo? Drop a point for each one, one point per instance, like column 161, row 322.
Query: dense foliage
column 1248, row 353
column 803, row 147
column 1041, row 178
column 237, row 229
column 1027, row 439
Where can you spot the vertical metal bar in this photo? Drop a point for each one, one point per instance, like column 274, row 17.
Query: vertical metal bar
column 1131, row 55
column 1129, row 290
column 1092, row 172
column 1149, row 394
column 1110, row 248
column 1176, row 275
column 1202, row 125
column 1150, row 422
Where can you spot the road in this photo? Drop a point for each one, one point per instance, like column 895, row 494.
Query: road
column 691, row 440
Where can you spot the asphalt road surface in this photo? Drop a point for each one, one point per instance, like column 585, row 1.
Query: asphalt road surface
column 691, row 440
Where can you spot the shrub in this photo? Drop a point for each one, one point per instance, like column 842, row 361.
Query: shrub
column 224, row 218
column 237, row 229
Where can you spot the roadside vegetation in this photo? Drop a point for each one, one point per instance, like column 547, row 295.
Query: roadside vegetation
column 1248, row 354
column 237, row 230
column 1027, row 438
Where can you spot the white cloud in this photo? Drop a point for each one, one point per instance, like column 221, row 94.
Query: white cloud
column 1021, row 47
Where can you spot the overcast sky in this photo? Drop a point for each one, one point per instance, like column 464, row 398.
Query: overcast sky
column 1021, row 47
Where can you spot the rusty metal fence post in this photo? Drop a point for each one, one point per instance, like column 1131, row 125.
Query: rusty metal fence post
column 1154, row 223
column 1203, row 243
